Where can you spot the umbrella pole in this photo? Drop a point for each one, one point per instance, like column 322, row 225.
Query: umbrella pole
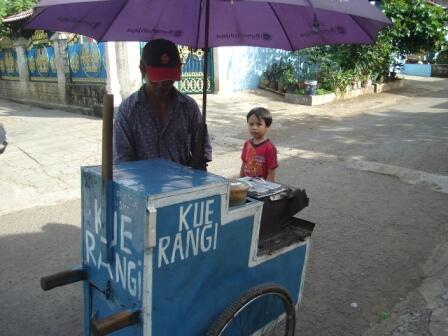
column 205, row 79
column 107, row 176
column 205, row 86
column 108, row 112
column 198, row 161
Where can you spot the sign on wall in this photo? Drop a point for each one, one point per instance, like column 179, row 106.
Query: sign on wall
column 41, row 58
column 192, row 70
column 8, row 64
column 86, row 61
column 41, row 64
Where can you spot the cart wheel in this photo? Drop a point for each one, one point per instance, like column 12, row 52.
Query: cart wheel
column 249, row 313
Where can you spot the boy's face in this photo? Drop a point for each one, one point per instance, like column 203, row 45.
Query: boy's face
column 257, row 127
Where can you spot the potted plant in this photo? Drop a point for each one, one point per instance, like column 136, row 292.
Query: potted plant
column 275, row 73
column 288, row 80
column 264, row 79
column 288, row 77
column 396, row 67
column 366, row 79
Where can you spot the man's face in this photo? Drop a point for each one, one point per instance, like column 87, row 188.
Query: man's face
column 161, row 89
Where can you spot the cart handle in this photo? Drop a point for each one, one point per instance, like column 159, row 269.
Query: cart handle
column 114, row 322
column 63, row 278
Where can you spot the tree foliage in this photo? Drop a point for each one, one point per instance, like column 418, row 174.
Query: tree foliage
column 9, row 7
column 418, row 26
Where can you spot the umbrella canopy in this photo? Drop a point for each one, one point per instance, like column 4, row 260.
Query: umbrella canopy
column 281, row 24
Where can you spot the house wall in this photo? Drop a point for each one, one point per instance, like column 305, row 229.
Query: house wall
column 240, row 67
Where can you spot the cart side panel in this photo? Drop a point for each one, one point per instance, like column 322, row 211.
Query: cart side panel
column 116, row 284
column 103, row 307
column 200, row 265
column 187, row 238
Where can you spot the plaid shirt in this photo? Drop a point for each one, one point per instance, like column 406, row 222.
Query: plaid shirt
column 139, row 134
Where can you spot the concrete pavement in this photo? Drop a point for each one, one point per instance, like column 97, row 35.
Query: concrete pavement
column 47, row 147
column 41, row 165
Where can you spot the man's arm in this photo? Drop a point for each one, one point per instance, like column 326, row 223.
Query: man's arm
column 124, row 143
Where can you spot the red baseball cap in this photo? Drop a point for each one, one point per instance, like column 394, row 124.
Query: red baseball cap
column 162, row 61
column 159, row 74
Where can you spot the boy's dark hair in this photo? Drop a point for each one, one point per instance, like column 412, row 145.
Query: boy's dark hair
column 261, row 113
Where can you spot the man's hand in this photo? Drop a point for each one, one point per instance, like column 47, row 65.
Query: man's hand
column 200, row 165
column 198, row 161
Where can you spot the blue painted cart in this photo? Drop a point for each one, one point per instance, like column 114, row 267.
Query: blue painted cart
column 177, row 257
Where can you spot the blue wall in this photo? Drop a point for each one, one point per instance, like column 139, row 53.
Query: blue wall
column 423, row 70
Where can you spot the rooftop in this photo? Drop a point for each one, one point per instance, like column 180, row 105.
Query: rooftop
column 18, row 16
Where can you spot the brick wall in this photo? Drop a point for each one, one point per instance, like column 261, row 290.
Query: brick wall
column 44, row 91
column 11, row 89
column 86, row 95
column 82, row 98
column 439, row 70
column 31, row 91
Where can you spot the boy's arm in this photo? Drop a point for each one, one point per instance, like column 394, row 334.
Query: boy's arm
column 243, row 159
column 271, row 175
column 271, row 162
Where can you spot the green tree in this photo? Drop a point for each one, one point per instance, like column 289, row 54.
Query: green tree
column 9, row 7
column 418, row 26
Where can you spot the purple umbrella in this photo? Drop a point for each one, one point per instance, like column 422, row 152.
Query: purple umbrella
column 282, row 24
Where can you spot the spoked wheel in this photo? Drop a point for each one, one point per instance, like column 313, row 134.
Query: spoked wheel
column 264, row 310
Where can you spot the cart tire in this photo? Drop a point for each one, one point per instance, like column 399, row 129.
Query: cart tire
column 222, row 326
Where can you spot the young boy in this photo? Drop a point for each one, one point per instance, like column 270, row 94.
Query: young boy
column 259, row 154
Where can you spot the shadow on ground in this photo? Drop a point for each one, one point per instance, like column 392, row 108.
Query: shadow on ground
column 26, row 309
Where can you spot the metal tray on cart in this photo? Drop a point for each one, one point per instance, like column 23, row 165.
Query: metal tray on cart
column 295, row 230
column 279, row 227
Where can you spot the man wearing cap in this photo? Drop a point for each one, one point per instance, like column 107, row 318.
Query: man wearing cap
column 158, row 121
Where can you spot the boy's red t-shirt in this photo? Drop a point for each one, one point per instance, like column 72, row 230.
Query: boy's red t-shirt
column 259, row 158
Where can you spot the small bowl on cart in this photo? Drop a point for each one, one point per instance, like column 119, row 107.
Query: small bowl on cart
column 238, row 193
